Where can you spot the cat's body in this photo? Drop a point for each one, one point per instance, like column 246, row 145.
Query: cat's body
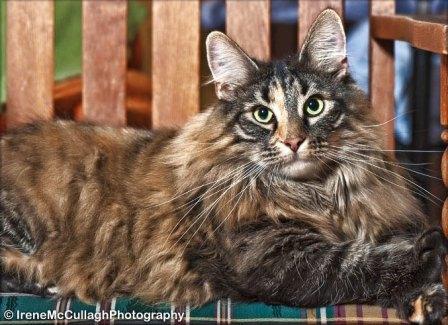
column 200, row 213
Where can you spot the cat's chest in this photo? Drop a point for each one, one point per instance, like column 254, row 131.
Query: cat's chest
column 315, row 206
column 290, row 195
column 285, row 200
column 312, row 205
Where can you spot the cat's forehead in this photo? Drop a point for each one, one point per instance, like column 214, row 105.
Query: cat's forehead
column 285, row 87
column 284, row 81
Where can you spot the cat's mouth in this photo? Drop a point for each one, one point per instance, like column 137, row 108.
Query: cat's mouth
column 304, row 153
column 299, row 167
column 298, row 158
column 302, row 163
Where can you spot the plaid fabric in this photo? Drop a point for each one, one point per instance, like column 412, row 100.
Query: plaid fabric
column 220, row 312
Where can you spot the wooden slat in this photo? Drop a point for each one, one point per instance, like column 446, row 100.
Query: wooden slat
column 104, row 61
column 29, row 61
column 444, row 122
column 175, row 61
column 248, row 24
column 67, row 96
column 382, row 75
column 444, row 91
column 426, row 33
column 309, row 10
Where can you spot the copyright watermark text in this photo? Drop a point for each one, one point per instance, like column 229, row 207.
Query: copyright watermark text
column 94, row 316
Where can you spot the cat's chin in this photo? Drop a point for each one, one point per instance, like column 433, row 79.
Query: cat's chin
column 301, row 169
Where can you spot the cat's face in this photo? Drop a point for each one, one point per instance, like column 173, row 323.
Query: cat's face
column 288, row 114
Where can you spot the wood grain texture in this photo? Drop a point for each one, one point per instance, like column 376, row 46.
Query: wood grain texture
column 444, row 217
column 248, row 24
column 382, row 75
column 309, row 10
column 67, row 96
column 29, row 61
column 430, row 34
column 444, row 225
column 175, row 61
column 444, row 91
column 444, row 169
column 444, row 122
column 104, row 61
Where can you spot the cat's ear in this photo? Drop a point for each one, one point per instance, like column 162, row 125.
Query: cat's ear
column 325, row 44
column 229, row 64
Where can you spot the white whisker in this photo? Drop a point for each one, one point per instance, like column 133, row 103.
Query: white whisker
column 386, row 162
column 388, row 181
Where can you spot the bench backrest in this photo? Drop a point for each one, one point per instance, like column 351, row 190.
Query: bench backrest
column 175, row 57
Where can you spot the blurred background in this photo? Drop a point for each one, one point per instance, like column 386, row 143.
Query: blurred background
column 417, row 73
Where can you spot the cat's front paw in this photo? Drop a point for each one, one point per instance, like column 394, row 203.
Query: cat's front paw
column 429, row 307
column 432, row 244
column 50, row 292
column 430, row 250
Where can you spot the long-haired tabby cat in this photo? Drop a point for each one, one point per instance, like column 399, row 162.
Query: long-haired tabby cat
column 281, row 192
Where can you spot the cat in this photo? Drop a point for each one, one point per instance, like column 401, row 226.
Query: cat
column 281, row 192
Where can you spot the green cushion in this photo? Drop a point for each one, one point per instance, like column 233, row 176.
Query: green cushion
column 222, row 311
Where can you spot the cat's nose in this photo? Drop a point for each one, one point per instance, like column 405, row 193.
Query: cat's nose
column 294, row 143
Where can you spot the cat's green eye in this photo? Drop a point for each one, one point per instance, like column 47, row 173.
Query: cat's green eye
column 263, row 115
column 314, row 106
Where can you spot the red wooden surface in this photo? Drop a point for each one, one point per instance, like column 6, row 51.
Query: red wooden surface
column 104, row 61
column 248, row 24
column 382, row 74
column 426, row 33
column 444, row 122
column 175, row 61
column 29, row 61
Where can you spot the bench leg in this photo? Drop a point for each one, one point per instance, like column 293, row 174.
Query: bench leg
column 444, row 122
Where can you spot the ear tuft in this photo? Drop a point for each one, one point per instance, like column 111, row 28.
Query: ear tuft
column 229, row 64
column 325, row 44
